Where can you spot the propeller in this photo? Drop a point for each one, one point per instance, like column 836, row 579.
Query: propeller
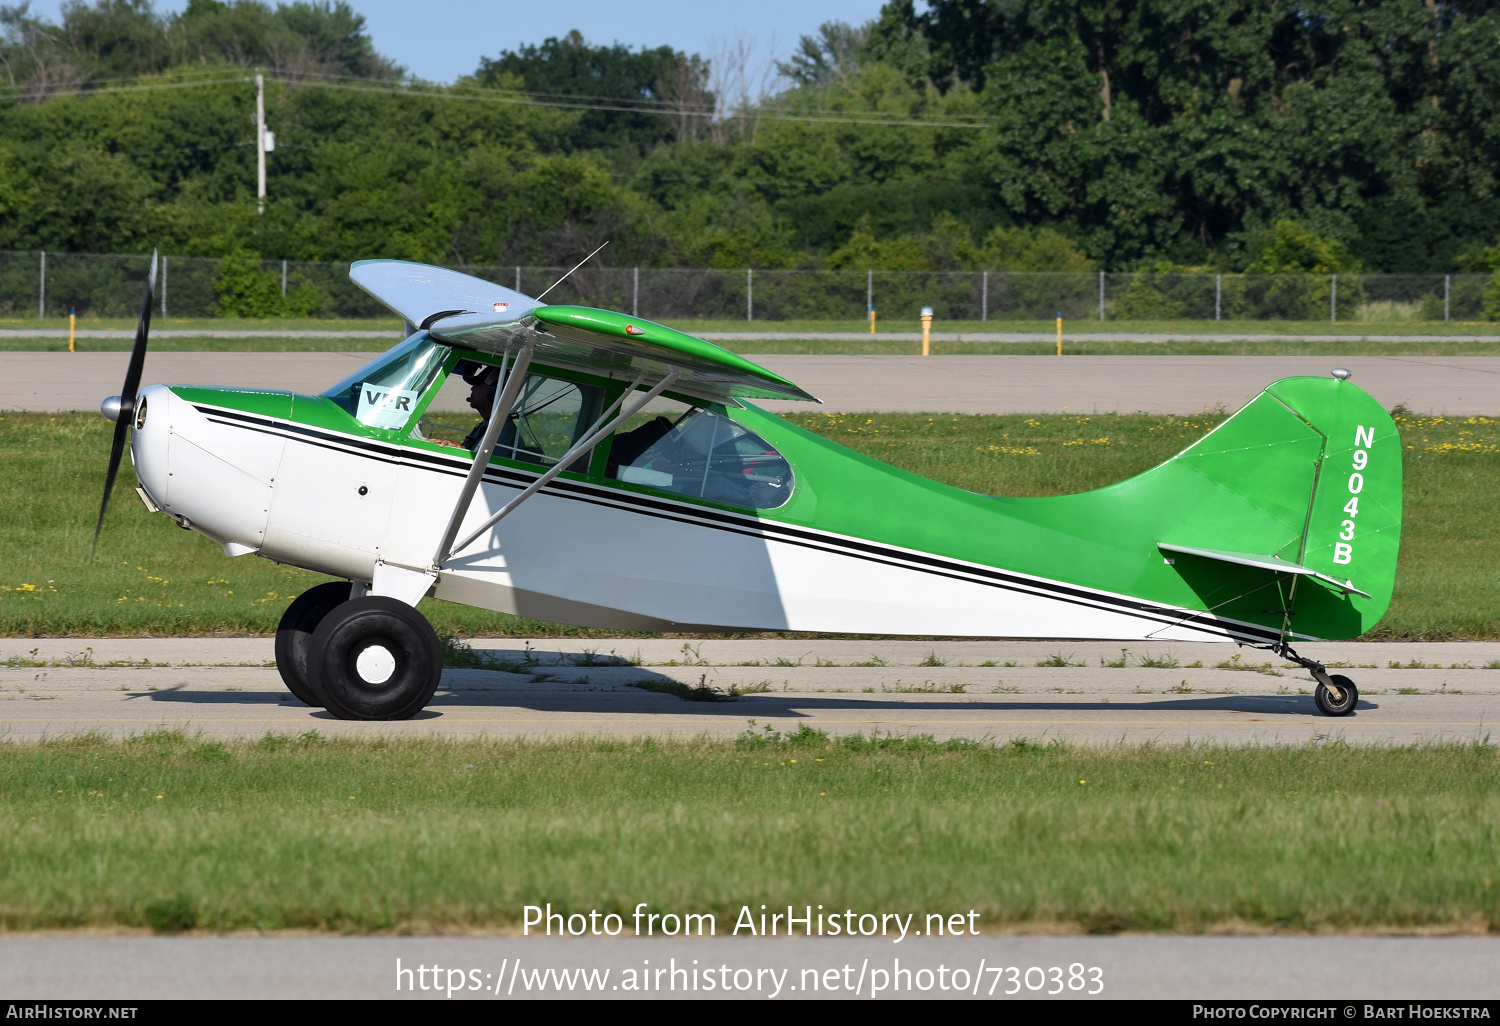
column 121, row 408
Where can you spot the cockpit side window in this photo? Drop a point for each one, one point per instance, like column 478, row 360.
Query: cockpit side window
column 386, row 392
column 550, row 414
column 699, row 452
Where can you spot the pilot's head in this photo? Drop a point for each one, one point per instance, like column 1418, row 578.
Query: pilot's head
column 483, row 380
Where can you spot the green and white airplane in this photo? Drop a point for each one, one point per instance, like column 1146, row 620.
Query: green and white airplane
column 623, row 477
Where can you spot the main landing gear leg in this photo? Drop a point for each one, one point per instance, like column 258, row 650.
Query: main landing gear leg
column 1335, row 695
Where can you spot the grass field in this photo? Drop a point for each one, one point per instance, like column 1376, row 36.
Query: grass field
column 1355, row 329
column 1072, row 347
column 152, row 578
column 822, row 347
column 166, row 832
column 1355, row 345
column 126, row 325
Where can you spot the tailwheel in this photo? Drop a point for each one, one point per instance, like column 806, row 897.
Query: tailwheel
column 1323, row 697
column 294, row 634
column 374, row 658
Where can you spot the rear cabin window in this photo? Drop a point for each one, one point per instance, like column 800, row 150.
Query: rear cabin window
column 700, row 453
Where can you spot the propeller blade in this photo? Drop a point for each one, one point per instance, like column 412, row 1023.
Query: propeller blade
column 127, row 399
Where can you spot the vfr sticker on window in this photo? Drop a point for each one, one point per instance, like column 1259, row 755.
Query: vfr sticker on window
column 384, row 407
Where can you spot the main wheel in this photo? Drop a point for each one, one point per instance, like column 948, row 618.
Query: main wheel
column 296, row 630
column 374, row 658
column 1323, row 698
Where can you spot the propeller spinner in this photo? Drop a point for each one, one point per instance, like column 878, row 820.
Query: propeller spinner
column 122, row 408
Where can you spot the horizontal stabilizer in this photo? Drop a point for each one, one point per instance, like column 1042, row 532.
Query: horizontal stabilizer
column 1274, row 563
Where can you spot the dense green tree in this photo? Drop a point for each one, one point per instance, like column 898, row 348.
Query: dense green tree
column 571, row 69
column 109, row 40
column 1178, row 127
column 1153, row 135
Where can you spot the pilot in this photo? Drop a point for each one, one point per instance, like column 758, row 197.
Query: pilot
column 484, row 381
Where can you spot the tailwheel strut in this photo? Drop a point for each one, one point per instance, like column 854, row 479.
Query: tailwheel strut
column 1335, row 694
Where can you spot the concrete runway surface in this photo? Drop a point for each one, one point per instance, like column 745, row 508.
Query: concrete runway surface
column 1337, row 969
column 978, row 690
column 1455, row 385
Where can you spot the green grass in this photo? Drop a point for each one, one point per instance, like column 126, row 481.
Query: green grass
column 126, row 325
column 152, row 578
column 814, row 347
column 206, row 345
column 1355, row 346
column 1086, row 326
column 420, row 835
column 1354, row 329
column 124, row 336
column 1290, row 347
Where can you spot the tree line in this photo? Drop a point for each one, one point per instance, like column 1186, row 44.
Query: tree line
column 1230, row 135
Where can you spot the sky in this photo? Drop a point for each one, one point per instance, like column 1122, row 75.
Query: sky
column 439, row 40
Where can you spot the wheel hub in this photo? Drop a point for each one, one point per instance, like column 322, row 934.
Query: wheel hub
column 375, row 664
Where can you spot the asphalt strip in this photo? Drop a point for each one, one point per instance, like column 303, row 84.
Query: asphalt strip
column 1057, row 968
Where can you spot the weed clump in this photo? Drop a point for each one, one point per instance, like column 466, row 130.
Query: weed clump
column 176, row 914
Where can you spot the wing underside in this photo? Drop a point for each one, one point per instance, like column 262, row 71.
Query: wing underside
column 472, row 313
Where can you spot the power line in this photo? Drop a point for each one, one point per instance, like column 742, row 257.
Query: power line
column 653, row 105
column 766, row 114
column 21, row 93
column 810, row 115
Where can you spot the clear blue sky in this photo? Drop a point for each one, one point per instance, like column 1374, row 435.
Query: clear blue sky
column 441, row 39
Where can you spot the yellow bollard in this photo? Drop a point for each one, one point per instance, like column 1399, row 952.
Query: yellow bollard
column 1059, row 333
column 872, row 320
column 926, row 331
column 72, row 325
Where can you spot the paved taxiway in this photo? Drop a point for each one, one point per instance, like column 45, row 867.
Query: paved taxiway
column 1455, row 385
column 1336, row 969
column 978, row 690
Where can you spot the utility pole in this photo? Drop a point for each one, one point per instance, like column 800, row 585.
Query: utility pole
column 260, row 143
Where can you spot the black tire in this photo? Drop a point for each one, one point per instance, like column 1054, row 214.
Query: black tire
column 403, row 660
column 294, row 634
column 1323, row 698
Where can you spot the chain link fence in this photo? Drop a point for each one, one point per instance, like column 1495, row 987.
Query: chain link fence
column 52, row 284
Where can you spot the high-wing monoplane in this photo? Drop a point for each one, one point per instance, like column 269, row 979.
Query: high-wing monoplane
column 621, row 476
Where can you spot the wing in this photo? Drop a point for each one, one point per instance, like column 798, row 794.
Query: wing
column 475, row 314
column 423, row 294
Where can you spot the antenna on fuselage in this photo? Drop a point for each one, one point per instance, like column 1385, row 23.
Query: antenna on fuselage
column 575, row 267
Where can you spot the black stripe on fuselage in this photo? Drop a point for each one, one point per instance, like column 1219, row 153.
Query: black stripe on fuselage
column 748, row 526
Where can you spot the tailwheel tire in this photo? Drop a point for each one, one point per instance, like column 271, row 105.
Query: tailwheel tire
column 374, row 658
column 1323, row 698
column 294, row 635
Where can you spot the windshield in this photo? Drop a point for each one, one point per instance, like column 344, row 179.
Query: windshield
column 384, row 393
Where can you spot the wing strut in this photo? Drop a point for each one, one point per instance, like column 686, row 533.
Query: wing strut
column 505, row 398
column 600, row 429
